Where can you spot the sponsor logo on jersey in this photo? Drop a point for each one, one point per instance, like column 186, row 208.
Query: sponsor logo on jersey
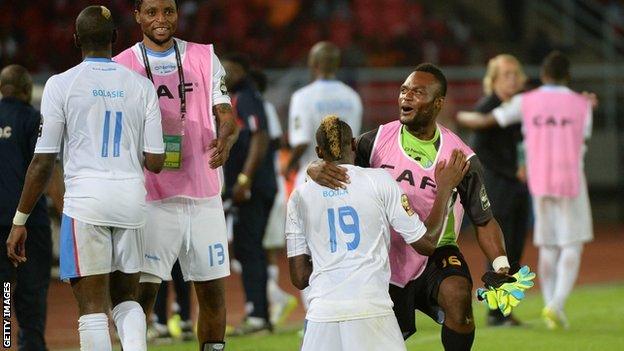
column 222, row 86
column 406, row 205
column 485, row 201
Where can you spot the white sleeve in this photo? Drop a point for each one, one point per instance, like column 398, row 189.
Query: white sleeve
column 399, row 211
column 357, row 125
column 299, row 122
column 219, row 90
column 589, row 122
column 295, row 237
column 153, row 135
column 509, row 112
column 275, row 128
column 53, row 115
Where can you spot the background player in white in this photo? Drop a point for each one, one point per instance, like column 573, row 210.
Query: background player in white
column 308, row 105
column 109, row 123
column 338, row 242
column 185, row 212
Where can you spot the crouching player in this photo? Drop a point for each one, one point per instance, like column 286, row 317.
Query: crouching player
column 338, row 243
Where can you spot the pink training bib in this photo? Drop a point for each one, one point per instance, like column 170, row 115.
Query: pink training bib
column 419, row 185
column 554, row 124
column 195, row 178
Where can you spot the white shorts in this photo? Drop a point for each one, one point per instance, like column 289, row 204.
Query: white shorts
column 192, row 231
column 368, row 334
column 274, row 237
column 87, row 249
column 563, row 221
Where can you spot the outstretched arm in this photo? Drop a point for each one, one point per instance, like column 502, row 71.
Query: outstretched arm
column 475, row 200
column 476, row 120
column 490, row 237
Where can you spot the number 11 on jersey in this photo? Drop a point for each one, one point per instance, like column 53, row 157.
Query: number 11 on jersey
column 353, row 228
column 116, row 136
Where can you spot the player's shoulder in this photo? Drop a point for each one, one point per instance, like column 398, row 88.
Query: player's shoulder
column 125, row 54
column 347, row 89
column 454, row 139
column 372, row 177
column 63, row 80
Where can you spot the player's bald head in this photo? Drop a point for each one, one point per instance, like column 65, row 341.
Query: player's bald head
column 95, row 28
column 324, row 57
column 15, row 81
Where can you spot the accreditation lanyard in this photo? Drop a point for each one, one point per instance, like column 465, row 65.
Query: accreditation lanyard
column 181, row 87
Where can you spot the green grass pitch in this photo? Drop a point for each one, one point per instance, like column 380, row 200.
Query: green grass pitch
column 596, row 315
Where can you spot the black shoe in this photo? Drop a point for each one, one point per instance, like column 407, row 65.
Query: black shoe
column 498, row 320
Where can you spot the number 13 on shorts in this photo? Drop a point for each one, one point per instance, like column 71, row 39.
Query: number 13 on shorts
column 216, row 254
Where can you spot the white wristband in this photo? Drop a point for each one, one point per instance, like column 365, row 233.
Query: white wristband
column 20, row 218
column 500, row 262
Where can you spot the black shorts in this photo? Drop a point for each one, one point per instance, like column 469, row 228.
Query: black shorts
column 422, row 293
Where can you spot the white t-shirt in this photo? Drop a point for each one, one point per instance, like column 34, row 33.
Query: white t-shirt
column 347, row 234
column 310, row 104
column 275, row 127
column 105, row 116
column 511, row 112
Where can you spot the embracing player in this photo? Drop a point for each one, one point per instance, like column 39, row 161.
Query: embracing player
column 338, row 243
column 410, row 149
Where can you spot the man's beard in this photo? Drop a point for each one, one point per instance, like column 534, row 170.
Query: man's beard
column 157, row 41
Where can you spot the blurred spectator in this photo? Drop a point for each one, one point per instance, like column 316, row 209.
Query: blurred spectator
column 503, row 174
column 250, row 184
column 19, row 129
column 276, row 32
column 281, row 304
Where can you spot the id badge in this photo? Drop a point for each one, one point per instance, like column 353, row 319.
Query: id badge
column 173, row 151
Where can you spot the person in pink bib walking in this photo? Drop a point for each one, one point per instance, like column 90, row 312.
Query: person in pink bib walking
column 556, row 122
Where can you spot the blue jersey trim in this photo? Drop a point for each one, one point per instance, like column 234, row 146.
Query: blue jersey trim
column 68, row 252
column 97, row 59
column 160, row 53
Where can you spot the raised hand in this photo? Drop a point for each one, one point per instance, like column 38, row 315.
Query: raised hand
column 449, row 173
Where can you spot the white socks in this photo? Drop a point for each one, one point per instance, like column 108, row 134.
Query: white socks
column 130, row 321
column 274, row 293
column 558, row 270
column 93, row 330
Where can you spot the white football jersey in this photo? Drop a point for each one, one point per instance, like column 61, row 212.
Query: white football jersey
column 105, row 116
column 310, row 104
column 346, row 232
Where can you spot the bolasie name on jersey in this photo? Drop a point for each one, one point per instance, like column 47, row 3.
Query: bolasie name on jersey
column 111, row 94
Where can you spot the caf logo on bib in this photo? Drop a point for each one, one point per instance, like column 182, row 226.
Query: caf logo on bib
column 406, row 205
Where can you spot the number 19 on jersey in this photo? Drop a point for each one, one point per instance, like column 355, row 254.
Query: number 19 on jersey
column 349, row 223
